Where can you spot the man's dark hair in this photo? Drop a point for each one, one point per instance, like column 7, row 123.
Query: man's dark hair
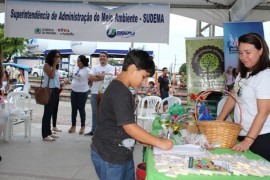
column 104, row 52
column 163, row 69
column 141, row 59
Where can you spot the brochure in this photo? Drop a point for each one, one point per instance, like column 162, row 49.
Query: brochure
column 208, row 164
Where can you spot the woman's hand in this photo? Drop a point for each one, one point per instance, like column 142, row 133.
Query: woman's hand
column 57, row 61
column 243, row 146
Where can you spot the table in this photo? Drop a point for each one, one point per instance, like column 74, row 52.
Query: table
column 153, row 174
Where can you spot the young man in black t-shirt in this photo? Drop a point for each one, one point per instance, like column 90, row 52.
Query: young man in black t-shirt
column 163, row 84
column 114, row 139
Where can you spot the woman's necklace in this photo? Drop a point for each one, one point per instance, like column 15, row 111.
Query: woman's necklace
column 238, row 88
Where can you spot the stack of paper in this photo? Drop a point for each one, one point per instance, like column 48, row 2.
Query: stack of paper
column 187, row 149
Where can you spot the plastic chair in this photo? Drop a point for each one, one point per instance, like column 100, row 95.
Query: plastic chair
column 17, row 89
column 138, row 101
column 148, row 113
column 18, row 106
column 170, row 101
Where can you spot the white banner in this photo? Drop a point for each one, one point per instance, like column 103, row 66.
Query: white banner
column 86, row 22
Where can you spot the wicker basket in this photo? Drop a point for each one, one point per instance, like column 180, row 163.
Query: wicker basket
column 219, row 131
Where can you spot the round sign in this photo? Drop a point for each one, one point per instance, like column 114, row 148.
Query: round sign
column 83, row 47
column 37, row 45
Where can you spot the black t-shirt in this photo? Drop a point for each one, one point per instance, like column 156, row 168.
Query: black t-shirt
column 116, row 109
column 164, row 82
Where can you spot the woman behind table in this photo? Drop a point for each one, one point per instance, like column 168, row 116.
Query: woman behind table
column 252, row 89
column 79, row 93
column 53, row 59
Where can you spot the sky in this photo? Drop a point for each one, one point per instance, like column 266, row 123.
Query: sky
column 165, row 55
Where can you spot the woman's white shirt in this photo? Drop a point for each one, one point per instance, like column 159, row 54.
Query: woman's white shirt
column 251, row 89
column 80, row 80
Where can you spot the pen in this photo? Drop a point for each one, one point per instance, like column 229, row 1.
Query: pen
column 168, row 134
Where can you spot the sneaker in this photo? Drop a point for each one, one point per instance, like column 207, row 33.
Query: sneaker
column 91, row 133
column 54, row 136
column 48, row 138
column 72, row 129
column 56, row 129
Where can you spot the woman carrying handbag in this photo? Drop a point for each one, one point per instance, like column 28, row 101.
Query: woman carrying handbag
column 51, row 77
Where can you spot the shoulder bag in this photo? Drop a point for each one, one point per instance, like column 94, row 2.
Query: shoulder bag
column 43, row 94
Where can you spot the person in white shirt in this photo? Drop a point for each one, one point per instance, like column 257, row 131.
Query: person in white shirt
column 79, row 93
column 96, row 75
column 252, row 91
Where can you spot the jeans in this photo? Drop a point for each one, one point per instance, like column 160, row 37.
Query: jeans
column 93, row 102
column 49, row 109
column 54, row 116
column 163, row 95
column 78, row 101
column 110, row 171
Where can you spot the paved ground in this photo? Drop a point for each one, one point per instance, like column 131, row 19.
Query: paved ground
column 65, row 159
column 64, row 113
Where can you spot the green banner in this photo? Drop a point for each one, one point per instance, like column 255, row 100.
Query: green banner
column 205, row 64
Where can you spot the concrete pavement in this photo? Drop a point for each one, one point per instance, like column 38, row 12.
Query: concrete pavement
column 66, row 158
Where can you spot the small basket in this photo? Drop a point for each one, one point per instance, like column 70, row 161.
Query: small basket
column 219, row 131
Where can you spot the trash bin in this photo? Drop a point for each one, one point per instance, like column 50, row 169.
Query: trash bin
column 141, row 171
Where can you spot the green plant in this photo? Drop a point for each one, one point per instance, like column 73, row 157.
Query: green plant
column 183, row 68
column 11, row 46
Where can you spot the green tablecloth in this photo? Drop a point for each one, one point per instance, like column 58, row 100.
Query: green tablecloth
column 153, row 174
column 156, row 124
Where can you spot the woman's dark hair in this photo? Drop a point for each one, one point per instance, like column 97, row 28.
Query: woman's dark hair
column 258, row 41
column 151, row 82
column 141, row 59
column 51, row 56
column 84, row 60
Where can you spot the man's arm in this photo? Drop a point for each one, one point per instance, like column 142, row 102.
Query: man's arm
column 98, row 77
column 93, row 78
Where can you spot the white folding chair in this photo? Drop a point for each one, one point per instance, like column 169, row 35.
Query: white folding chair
column 17, row 89
column 19, row 109
column 148, row 113
column 170, row 101
column 138, row 101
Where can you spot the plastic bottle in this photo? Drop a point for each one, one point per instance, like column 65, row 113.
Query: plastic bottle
column 205, row 115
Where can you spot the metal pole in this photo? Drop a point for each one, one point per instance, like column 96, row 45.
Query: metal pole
column 158, row 54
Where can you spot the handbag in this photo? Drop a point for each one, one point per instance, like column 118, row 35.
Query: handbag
column 43, row 94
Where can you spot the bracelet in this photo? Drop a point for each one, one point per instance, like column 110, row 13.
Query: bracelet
column 251, row 138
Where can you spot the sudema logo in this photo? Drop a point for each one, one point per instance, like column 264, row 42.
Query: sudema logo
column 111, row 33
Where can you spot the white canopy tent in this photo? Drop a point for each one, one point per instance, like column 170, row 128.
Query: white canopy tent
column 214, row 12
